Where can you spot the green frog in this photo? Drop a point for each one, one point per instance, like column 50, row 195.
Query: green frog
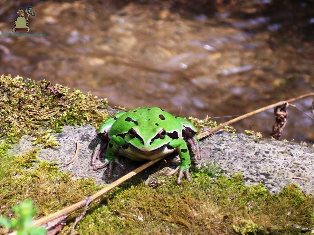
column 147, row 133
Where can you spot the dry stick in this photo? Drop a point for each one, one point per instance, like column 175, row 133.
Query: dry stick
column 212, row 131
column 300, row 178
column 74, row 156
column 82, row 203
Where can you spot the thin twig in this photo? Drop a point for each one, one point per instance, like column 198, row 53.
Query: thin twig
column 74, row 156
column 219, row 127
column 78, row 219
column 300, row 178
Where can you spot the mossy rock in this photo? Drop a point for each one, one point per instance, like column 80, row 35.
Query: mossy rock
column 211, row 204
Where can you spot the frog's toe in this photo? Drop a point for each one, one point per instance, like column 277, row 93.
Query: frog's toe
column 173, row 171
column 100, row 165
column 184, row 173
column 187, row 175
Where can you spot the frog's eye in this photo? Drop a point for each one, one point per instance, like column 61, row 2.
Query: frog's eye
column 133, row 134
column 128, row 119
column 160, row 135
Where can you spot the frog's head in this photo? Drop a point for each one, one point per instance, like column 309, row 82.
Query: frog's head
column 149, row 138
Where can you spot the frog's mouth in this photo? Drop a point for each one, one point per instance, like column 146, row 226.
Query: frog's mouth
column 138, row 154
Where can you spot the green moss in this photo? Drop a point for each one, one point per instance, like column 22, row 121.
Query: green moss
column 45, row 139
column 24, row 176
column 28, row 107
column 254, row 134
column 208, row 123
column 247, row 226
column 222, row 205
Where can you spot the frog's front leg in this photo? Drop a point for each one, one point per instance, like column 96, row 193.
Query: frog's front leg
column 95, row 162
column 103, row 136
column 113, row 146
column 182, row 148
column 195, row 147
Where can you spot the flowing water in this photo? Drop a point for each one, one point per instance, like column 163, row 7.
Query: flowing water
column 193, row 58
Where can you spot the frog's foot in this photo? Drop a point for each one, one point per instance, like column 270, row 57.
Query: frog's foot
column 95, row 161
column 97, row 164
column 173, row 171
column 184, row 173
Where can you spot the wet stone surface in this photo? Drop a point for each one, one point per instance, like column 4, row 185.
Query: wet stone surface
column 273, row 163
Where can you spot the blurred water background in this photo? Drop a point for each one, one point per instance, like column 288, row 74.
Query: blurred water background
column 193, row 58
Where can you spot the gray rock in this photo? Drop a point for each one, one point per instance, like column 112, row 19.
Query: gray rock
column 273, row 163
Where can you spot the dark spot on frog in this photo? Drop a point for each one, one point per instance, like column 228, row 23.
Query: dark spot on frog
column 149, row 109
column 128, row 119
column 170, row 147
column 134, row 111
column 156, row 124
column 173, row 135
column 115, row 118
column 184, row 150
column 162, row 117
column 160, row 135
column 122, row 135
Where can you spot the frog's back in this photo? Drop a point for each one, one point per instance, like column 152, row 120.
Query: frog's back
column 145, row 117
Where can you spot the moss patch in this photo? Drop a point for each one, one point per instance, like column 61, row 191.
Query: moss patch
column 204, row 206
column 28, row 107
column 208, row 123
column 24, row 176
